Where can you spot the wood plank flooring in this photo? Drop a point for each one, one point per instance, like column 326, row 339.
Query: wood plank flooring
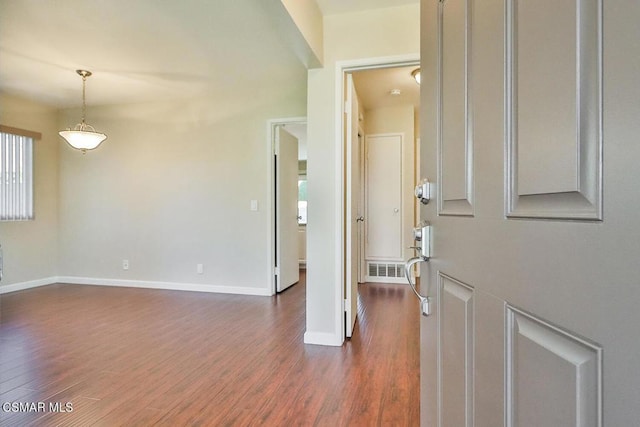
column 139, row 357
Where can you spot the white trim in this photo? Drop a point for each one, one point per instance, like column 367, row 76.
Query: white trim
column 339, row 320
column 343, row 67
column 21, row 286
column 175, row 286
column 323, row 338
column 271, row 199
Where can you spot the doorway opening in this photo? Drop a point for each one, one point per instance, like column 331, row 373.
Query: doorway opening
column 288, row 159
column 378, row 129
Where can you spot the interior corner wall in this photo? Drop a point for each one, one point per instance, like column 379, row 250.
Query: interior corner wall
column 379, row 33
column 400, row 119
column 170, row 189
column 30, row 247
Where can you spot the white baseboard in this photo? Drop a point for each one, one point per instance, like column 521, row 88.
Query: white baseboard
column 175, row 286
column 21, row 286
column 322, row 338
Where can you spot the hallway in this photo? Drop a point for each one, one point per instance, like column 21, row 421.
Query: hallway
column 125, row 356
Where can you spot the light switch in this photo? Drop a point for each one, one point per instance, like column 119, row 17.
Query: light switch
column 254, row 205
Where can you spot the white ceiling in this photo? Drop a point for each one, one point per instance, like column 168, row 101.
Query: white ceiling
column 374, row 87
column 333, row 7
column 147, row 50
column 139, row 50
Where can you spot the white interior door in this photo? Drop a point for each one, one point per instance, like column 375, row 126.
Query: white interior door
column 352, row 211
column 286, row 165
column 384, row 197
column 534, row 278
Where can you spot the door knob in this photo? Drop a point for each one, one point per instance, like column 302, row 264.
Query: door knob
column 360, row 219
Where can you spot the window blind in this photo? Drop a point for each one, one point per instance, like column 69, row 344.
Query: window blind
column 16, row 177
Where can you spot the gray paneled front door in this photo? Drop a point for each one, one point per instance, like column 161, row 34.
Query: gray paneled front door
column 530, row 129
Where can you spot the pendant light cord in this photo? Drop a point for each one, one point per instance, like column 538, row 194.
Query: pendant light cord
column 84, row 104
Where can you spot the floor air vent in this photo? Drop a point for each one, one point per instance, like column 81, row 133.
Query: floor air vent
column 385, row 270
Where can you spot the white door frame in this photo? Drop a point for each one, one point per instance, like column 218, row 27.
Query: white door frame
column 361, row 228
column 272, row 124
column 342, row 68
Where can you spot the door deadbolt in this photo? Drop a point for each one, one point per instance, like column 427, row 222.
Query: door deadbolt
column 423, row 191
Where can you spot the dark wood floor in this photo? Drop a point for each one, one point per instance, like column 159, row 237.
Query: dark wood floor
column 136, row 357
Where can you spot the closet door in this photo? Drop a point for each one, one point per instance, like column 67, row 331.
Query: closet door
column 384, row 197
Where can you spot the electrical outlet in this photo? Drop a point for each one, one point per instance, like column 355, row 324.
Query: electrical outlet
column 125, row 264
column 199, row 268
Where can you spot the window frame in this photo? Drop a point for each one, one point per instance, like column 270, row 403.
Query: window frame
column 17, row 164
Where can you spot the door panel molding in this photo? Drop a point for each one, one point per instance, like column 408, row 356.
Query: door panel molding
column 553, row 150
column 553, row 377
column 455, row 141
column 455, row 351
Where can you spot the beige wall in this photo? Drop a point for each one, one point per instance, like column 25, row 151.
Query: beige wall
column 399, row 119
column 387, row 33
column 30, row 247
column 170, row 189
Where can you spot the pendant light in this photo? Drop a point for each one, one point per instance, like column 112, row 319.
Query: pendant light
column 83, row 136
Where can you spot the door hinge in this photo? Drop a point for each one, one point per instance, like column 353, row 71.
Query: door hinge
column 344, row 305
column 276, row 271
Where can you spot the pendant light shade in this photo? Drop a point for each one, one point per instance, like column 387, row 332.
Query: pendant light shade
column 83, row 139
column 83, row 136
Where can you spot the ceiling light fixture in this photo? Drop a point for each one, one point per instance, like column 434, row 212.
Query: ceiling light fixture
column 416, row 75
column 83, row 136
